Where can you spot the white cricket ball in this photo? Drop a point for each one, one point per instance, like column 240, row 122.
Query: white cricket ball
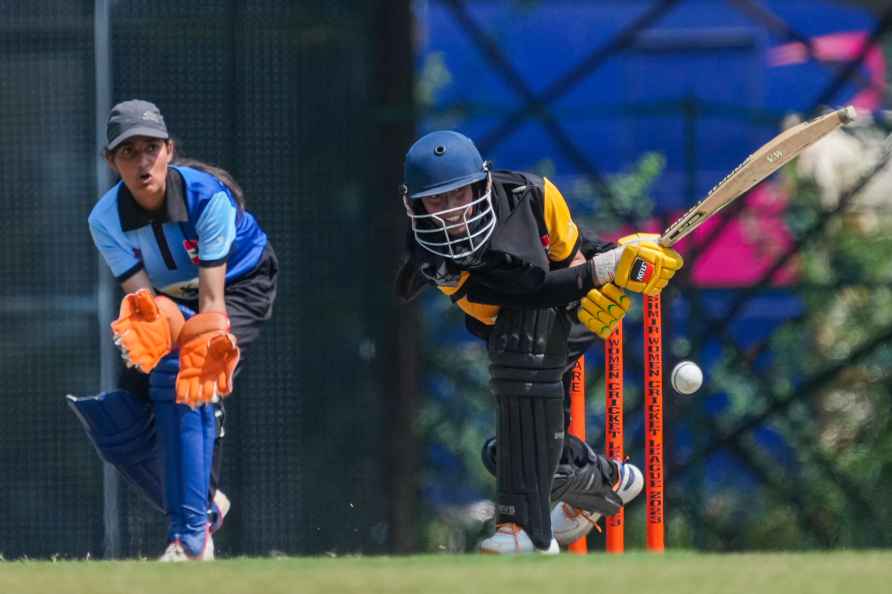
column 686, row 377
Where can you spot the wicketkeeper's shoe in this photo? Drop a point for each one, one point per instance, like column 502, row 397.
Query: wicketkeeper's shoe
column 176, row 553
column 568, row 523
column 511, row 539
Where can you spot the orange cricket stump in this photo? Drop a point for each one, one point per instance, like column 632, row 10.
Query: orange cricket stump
column 577, row 426
column 613, row 426
column 653, row 423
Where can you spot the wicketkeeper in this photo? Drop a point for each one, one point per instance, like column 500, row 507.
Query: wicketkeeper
column 503, row 247
column 199, row 278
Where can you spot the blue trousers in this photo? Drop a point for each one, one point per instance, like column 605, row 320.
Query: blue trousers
column 186, row 439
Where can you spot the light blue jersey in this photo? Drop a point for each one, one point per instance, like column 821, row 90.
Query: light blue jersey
column 201, row 226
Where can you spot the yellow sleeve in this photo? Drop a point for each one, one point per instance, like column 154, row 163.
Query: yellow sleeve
column 484, row 313
column 562, row 231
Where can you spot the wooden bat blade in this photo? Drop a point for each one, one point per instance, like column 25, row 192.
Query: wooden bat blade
column 770, row 157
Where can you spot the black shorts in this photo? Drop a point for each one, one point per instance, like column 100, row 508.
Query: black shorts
column 249, row 300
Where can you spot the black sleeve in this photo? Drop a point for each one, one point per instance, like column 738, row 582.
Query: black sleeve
column 558, row 288
column 477, row 328
column 409, row 282
column 589, row 248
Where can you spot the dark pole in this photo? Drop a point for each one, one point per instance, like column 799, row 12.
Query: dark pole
column 698, row 416
column 398, row 337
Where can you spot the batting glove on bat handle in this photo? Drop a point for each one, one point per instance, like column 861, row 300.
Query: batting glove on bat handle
column 644, row 265
column 603, row 266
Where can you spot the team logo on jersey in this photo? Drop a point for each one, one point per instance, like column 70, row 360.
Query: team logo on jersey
column 546, row 241
column 191, row 247
column 641, row 271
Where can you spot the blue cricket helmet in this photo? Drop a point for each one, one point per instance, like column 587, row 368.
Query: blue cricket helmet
column 440, row 162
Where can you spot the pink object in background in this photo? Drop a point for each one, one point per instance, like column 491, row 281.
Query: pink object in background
column 750, row 243
column 748, row 246
column 840, row 47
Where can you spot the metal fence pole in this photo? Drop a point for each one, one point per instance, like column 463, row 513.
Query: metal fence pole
column 105, row 283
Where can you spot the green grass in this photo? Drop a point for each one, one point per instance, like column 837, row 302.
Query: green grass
column 633, row 573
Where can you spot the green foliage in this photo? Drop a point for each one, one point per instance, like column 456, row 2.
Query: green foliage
column 843, row 426
column 434, row 77
column 822, row 386
column 628, row 195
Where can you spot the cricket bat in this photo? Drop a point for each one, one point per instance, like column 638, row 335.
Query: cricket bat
column 770, row 157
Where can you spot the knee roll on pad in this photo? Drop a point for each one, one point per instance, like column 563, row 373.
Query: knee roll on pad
column 122, row 429
column 525, row 343
column 575, row 452
column 528, row 351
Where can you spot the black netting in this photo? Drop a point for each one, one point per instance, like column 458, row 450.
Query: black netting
column 51, row 496
column 277, row 92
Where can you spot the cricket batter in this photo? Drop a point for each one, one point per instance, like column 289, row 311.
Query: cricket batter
column 199, row 278
column 503, row 247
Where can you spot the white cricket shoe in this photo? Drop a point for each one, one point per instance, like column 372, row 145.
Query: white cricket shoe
column 175, row 553
column 511, row 539
column 569, row 524
column 629, row 483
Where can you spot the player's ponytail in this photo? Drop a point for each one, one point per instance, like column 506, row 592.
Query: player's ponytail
column 224, row 176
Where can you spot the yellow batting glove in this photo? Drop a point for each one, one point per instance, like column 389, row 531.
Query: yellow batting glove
column 645, row 266
column 602, row 309
column 638, row 238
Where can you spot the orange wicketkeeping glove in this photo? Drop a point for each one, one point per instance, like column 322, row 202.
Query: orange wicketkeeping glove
column 208, row 357
column 146, row 329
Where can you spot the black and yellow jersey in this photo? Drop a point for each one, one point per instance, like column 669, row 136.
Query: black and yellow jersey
column 535, row 236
